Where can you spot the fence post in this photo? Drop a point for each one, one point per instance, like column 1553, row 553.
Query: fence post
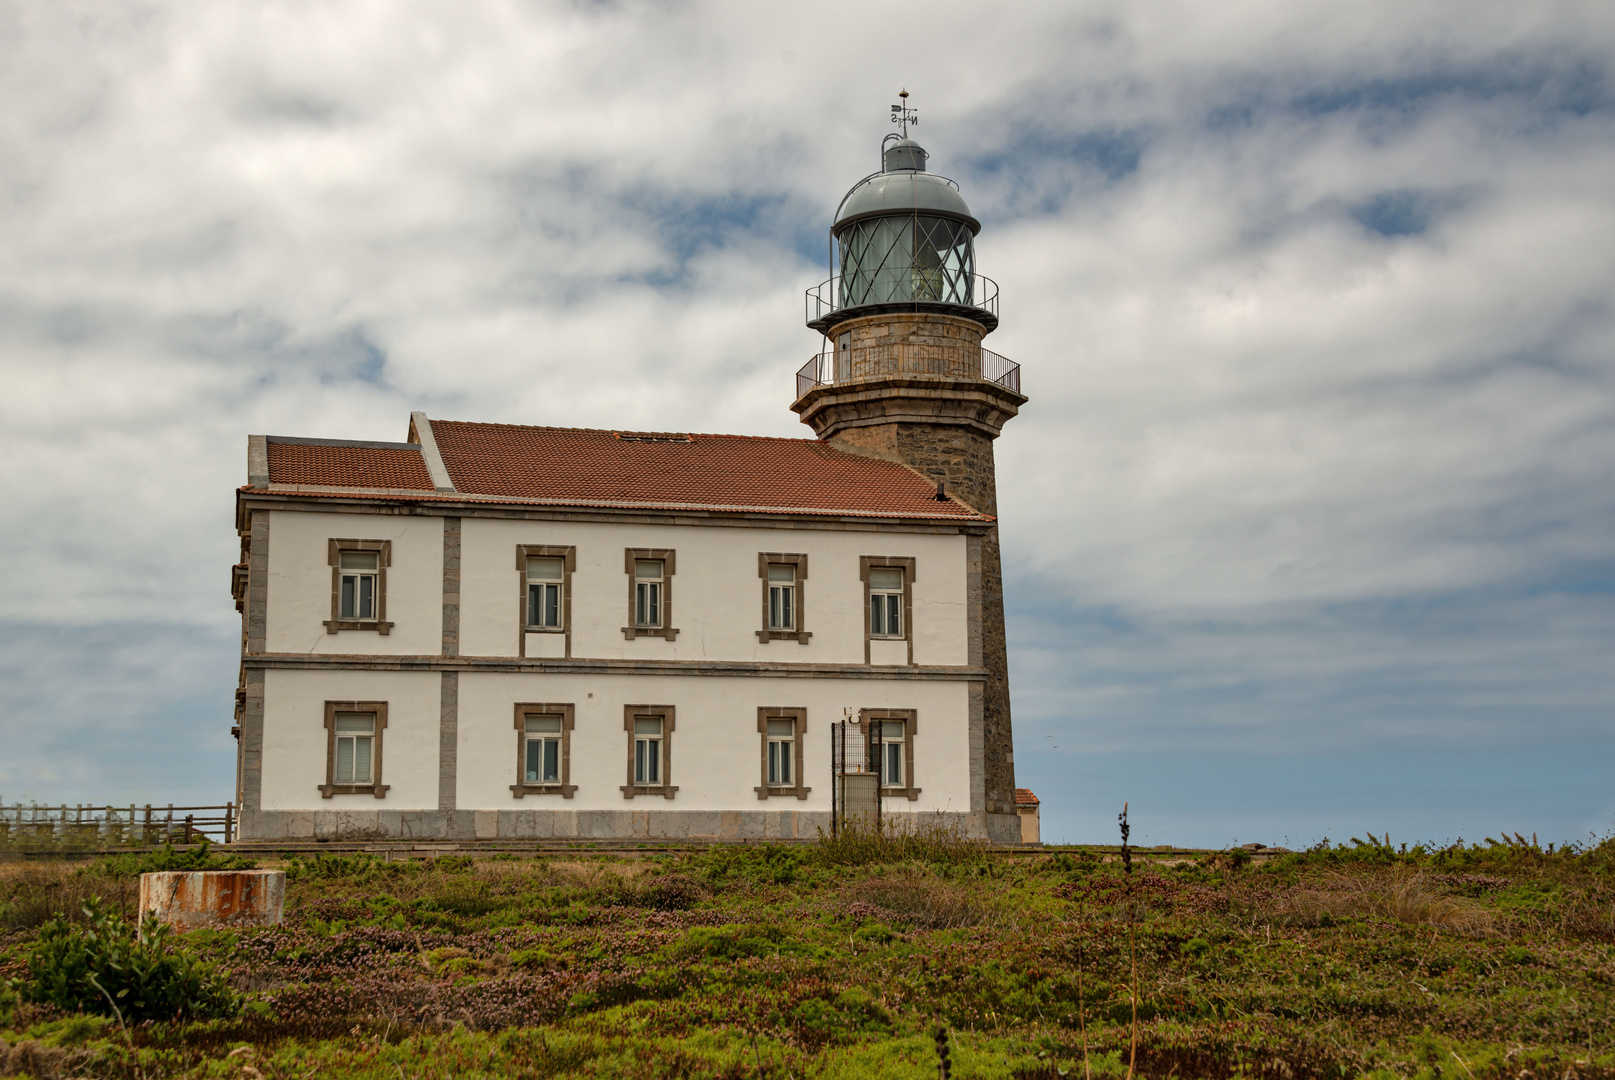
column 145, row 827
column 229, row 821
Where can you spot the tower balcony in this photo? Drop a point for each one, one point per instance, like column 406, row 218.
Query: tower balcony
column 941, row 289
column 824, row 369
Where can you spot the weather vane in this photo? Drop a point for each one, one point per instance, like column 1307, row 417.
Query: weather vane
column 902, row 115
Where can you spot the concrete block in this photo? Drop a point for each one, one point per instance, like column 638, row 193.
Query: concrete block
column 485, row 823
column 193, row 898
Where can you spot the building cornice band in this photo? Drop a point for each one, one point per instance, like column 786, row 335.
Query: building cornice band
column 578, row 666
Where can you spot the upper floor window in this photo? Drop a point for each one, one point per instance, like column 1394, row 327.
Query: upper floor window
column 359, row 585
column 361, row 573
column 886, row 602
column 545, row 581
column 648, row 593
column 781, row 597
column 783, row 577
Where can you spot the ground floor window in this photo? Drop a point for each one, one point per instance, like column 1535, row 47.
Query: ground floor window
column 889, row 736
column 543, row 750
column 782, row 731
column 650, row 750
column 353, row 741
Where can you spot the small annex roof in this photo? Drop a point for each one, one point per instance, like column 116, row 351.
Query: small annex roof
column 512, row 463
column 1024, row 797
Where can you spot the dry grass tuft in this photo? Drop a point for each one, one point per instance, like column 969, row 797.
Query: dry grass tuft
column 1415, row 900
column 918, row 897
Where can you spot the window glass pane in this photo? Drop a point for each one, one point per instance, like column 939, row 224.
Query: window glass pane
column 639, row 762
column 344, row 761
column 535, row 749
column 544, row 569
column 358, row 560
column 648, row 569
column 877, row 615
column 784, row 762
column 885, row 578
column 543, row 725
column 653, row 771
column 787, row 621
column 552, row 605
column 647, row 725
column 782, row 727
column 350, row 588
column 891, row 729
column 367, row 596
column 361, row 759
column 552, row 761
column 894, row 614
column 350, row 722
column 785, row 573
column 773, row 763
column 894, row 763
column 535, row 605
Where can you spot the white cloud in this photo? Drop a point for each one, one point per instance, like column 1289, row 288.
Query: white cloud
column 1249, row 407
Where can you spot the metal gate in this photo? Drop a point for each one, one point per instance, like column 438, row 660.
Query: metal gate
column 855, row 776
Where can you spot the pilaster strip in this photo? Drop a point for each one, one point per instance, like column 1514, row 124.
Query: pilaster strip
column 258, row 582
column 258, row 461
column 448, row 741
column 451, row 586
column 252, row 753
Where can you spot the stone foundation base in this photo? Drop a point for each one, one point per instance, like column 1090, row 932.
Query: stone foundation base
column 583, row 824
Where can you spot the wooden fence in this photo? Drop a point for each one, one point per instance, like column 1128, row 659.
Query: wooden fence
column 114, row 826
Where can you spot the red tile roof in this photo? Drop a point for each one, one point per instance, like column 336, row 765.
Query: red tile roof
column 1024, row 797
column 572, row 465
column 337, row 463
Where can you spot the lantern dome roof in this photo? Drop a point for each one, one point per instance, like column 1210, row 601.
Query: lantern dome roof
column 904, row 187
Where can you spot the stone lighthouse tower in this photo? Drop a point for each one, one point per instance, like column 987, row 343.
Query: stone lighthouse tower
column 904, row 377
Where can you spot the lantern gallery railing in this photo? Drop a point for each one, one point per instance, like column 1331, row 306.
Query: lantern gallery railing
column 915, row 285
column 820, row 370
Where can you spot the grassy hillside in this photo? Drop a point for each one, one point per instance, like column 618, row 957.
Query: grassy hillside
column 845, row 960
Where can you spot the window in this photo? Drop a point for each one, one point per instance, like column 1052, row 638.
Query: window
column 650, row 593
column 886, row 603
column 353, row 731
column 886, row 751
column 782, row 731
column 843, row 357
column 782, row 598
column 782, row 577
column 359, row 585
column 544, row 578
column 889, row 600
column 543, row 750
column 546, row 593
column 650, row 750
column 889, row 735
column 355, row 747
column 781, row 748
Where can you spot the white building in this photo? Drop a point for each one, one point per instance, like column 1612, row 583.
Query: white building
column 495, row 631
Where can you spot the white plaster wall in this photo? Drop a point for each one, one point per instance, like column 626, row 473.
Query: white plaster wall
column 717, row 595
column 295, row 739
column 300, row 583
column 716, row 751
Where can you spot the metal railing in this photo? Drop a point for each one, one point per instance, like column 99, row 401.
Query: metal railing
column 38, row 824
column 820, row 370
column 979, row 292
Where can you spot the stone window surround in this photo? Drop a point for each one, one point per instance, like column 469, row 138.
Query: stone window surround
column 384, row 552
column 331, row 787
column 666, row 787
column 906, row 564
column 799, row 716
column 568, row 554
column 566, row 712
column 910, row 720
column 667, row 557
column 777, row 558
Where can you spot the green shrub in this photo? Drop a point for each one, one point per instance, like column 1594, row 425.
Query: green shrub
column 167, row 857
column 105, row 968
column 729, row 942
column 360, row 866
column 894, row 840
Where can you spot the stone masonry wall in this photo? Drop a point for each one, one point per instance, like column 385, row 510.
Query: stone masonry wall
column 963, row 459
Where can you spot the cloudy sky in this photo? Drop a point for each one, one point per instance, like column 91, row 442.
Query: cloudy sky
column 1308, row 525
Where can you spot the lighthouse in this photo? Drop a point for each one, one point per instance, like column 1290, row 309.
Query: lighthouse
column 903, row 376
